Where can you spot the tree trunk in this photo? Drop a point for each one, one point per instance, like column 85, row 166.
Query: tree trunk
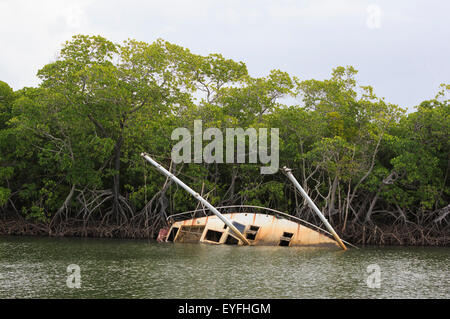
column 371, row 207
column 116, row 179
column 331, row 208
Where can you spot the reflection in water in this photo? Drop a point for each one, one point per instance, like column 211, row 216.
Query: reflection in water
column 37, row 268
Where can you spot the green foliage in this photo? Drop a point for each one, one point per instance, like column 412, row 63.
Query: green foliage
column 101, row 104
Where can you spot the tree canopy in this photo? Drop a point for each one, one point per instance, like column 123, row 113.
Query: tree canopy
column 70, row 147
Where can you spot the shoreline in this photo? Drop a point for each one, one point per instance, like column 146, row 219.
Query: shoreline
column 357, row 235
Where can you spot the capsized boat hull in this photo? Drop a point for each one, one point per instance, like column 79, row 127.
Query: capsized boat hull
column 260, row 230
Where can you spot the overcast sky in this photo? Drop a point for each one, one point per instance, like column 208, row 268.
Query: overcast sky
column 401, row 48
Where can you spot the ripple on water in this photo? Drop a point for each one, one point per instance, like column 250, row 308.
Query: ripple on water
column 36, row 268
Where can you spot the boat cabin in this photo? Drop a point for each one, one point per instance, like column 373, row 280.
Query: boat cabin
column 263, row 229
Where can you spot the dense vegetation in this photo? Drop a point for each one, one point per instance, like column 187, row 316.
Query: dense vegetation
column 70, row 163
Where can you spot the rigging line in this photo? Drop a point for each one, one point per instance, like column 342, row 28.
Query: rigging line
column 179, row 173
column 160, row 156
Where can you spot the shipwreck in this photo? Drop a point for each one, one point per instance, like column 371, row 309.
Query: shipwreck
column 245, row 224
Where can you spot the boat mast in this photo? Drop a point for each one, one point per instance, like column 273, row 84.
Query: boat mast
column 314, row 207
column 198, row 197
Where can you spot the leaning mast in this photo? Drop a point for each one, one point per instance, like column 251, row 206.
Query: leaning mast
column 198, row 197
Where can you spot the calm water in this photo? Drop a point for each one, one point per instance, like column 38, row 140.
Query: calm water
column 37, row 268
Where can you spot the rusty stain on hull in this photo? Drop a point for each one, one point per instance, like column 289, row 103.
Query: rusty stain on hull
column 259, row 229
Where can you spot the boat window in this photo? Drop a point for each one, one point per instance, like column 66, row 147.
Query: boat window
column 239, row 226
column 251, row 232
column 284, row 242
column 190, row 234
column 213, row 235
column 250, row 236
column 173, row 234
column 231, row 240
column 285, row 239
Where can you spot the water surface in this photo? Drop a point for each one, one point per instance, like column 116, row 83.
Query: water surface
column 33, row 267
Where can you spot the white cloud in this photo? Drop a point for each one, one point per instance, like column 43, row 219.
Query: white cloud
column 32, row 33
column 312, row 10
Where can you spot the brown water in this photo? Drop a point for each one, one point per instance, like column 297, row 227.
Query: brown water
column 33, row 267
